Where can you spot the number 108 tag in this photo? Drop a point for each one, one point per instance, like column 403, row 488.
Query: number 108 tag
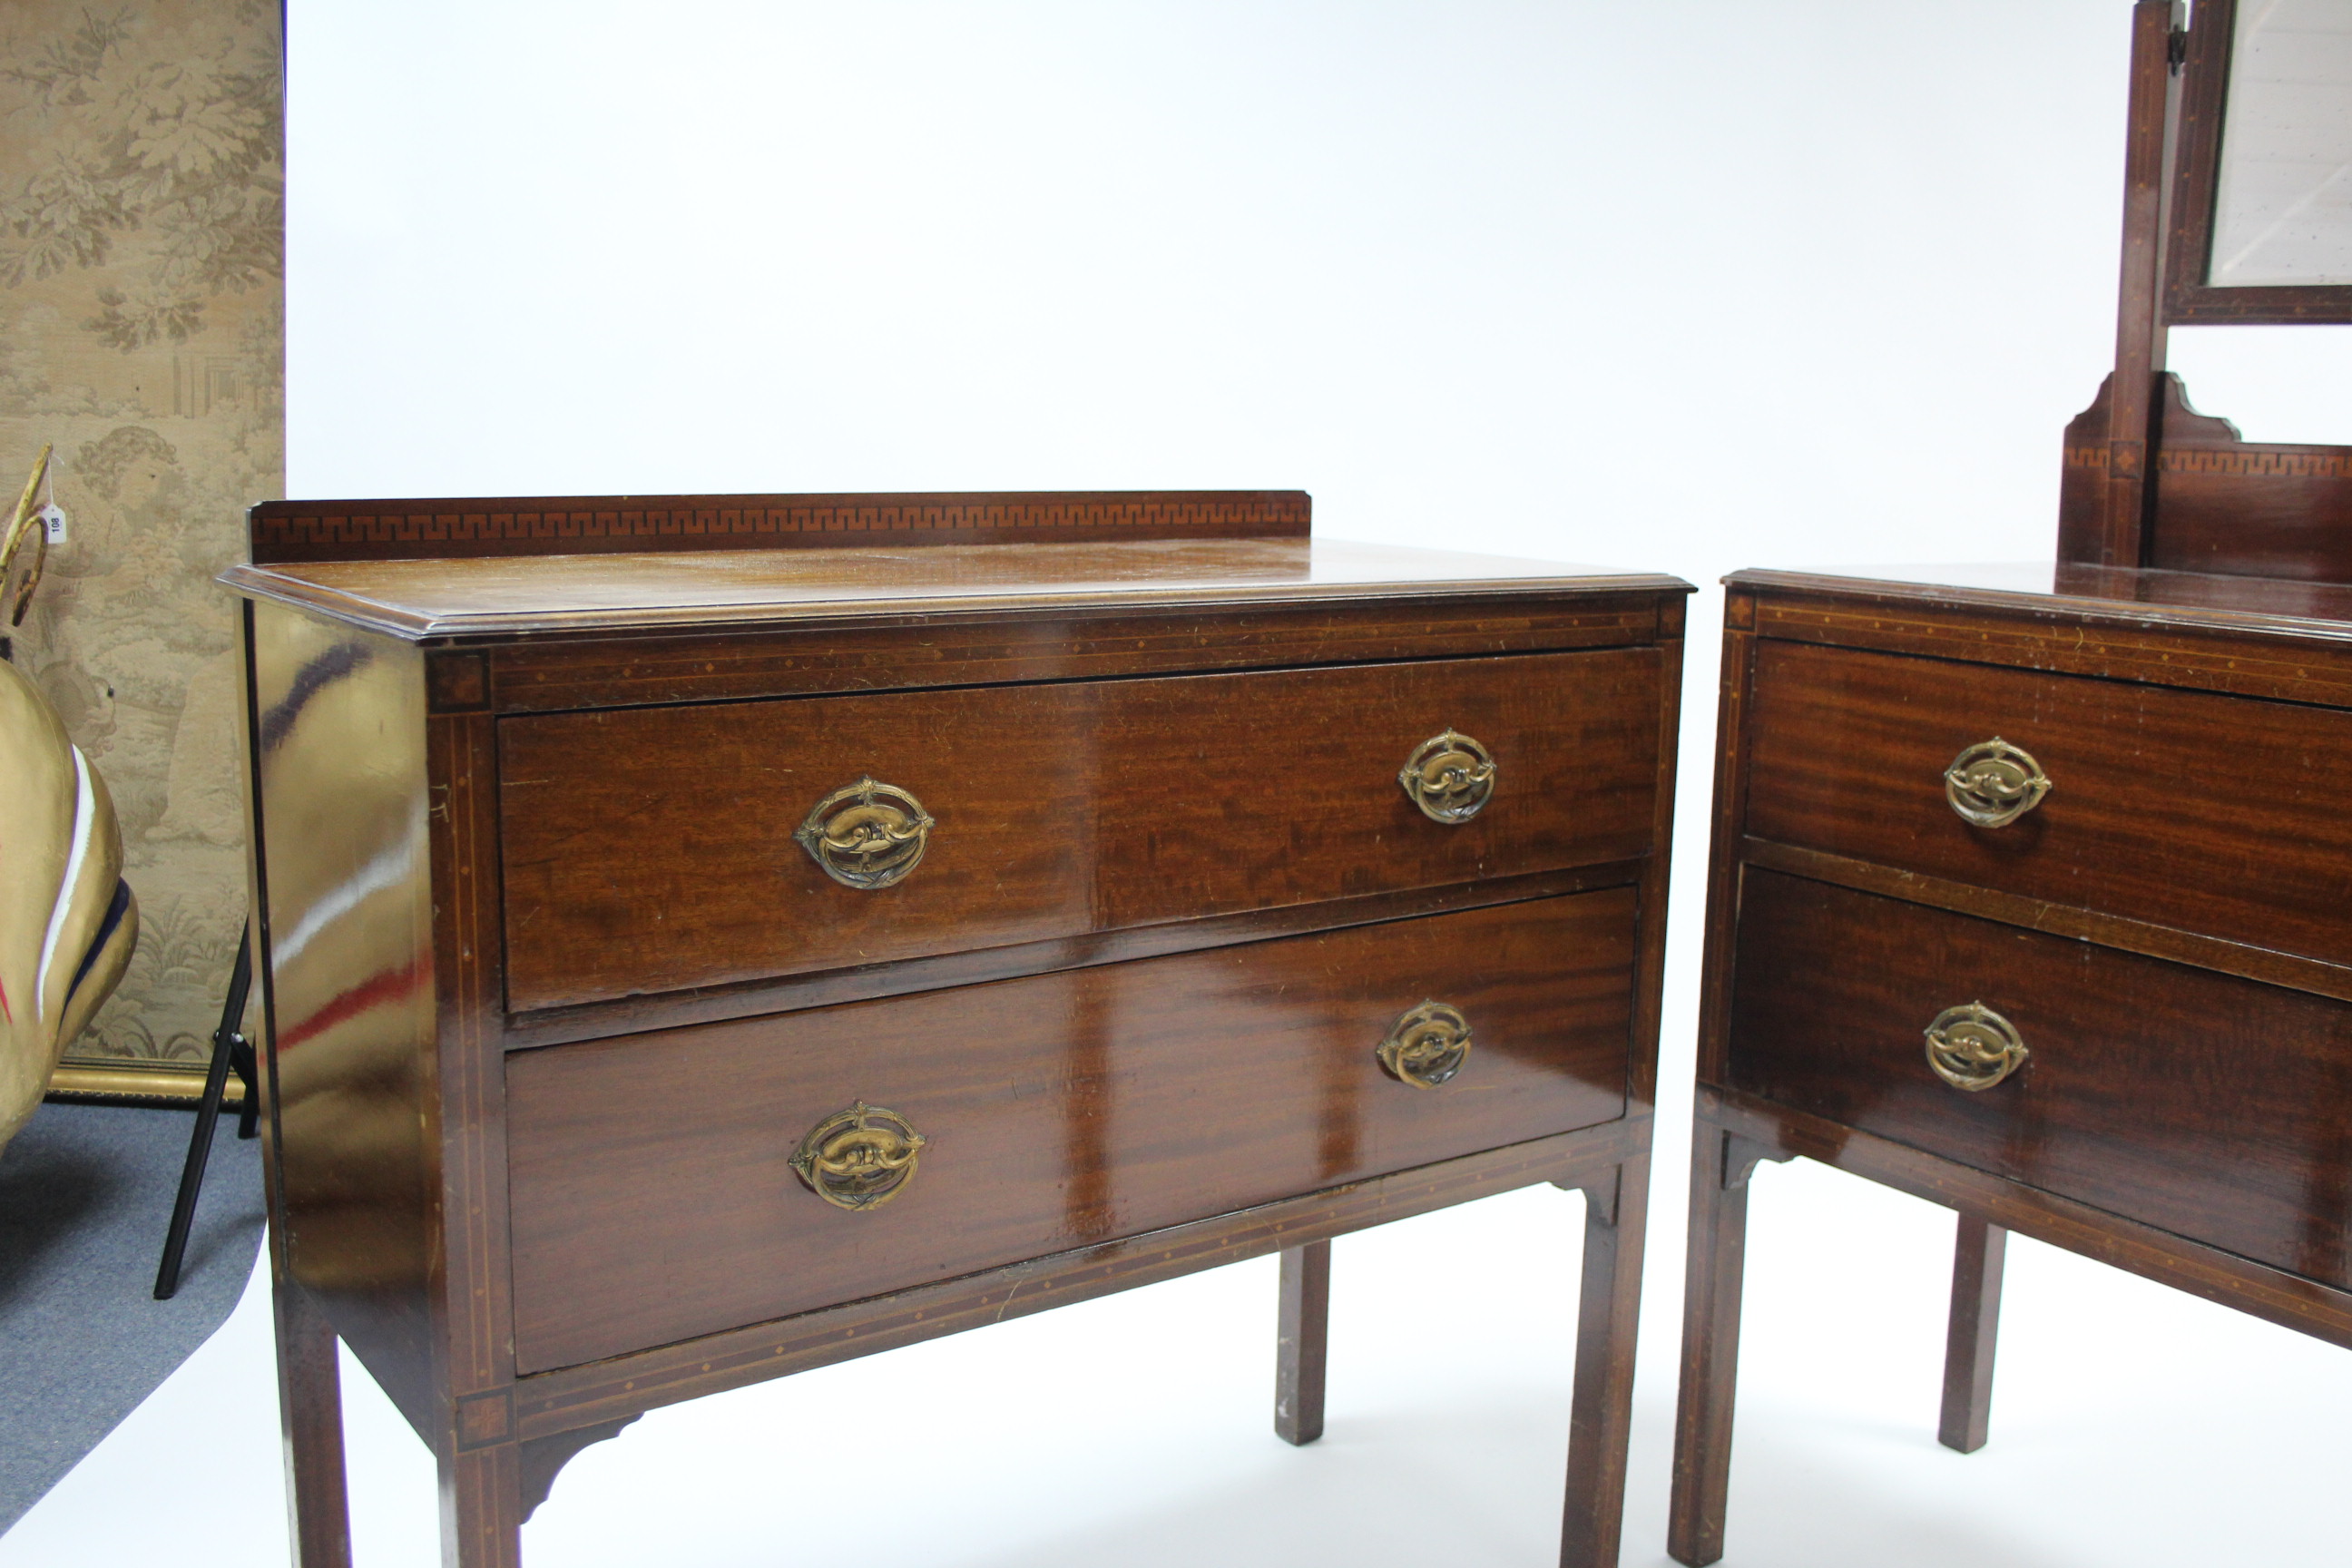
column 53, row 518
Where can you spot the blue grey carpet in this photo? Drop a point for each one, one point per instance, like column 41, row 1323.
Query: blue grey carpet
column 85, row 1194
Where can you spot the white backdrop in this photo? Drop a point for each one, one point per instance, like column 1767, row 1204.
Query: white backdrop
column 1688, row 284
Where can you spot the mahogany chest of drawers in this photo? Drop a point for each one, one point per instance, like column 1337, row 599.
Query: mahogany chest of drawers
column 708, row 938
column 2032, row 895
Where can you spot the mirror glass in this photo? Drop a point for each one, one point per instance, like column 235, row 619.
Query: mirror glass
column 2283, row 211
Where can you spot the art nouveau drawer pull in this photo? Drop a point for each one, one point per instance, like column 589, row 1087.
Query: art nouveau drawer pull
column 860, row 1158
column 1426, row 1046
column 1974, row 1047
column 866, row 834
column 1449, row 777
column 1992, row 784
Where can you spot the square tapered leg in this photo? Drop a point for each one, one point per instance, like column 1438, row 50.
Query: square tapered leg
column 311, row 1411
column 1721, row 1163
column 1303, row 1338
column 1977, row 1256
column 1607, row 1314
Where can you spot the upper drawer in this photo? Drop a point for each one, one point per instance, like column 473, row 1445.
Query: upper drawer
column 2223, row 815
column 652, row 849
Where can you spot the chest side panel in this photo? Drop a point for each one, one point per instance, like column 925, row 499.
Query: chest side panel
column 338, row 737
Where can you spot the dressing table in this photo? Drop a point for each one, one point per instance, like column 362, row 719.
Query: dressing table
column 706, row 938
column 2031, row 889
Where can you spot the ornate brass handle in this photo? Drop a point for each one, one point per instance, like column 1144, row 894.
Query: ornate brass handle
column 1426, row 1046
column 860, row 1158
column 1992, row 784
column 866, row 834
column 1450, row 777
column 1974, row 1047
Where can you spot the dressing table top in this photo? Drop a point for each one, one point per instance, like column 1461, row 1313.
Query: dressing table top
column 2281, row 605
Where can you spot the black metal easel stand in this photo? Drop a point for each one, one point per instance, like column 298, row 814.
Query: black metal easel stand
column 230, row 1050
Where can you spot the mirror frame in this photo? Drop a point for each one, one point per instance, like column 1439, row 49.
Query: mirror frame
column 2197, row 155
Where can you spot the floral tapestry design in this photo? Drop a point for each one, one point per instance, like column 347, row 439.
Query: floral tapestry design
column 142, row 307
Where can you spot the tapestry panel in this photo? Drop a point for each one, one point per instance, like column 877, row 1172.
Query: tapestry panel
column 141, row 312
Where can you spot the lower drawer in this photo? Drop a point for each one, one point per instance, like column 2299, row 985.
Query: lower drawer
column 653, row 1196
column 2214, row 1108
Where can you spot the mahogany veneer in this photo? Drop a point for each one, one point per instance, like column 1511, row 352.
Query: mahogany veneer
column 1063, row 808
column 2209, row 813
column 652, row 1202
column 555, row 985
column 2205, row 1106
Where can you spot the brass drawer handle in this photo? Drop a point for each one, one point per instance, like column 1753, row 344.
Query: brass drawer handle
column 1450, row 777
column 1974, row 1047
column 1992, row 784
column 1426, row 1046
column 866, row 834
column 860, row 1158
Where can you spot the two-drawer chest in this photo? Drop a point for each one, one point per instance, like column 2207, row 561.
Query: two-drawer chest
column 2032, row 896
column 712, row 937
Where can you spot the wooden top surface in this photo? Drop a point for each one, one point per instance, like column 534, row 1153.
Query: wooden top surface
column 517, row 596
column 2305, row 610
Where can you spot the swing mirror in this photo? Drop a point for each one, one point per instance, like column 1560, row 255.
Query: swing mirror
column 2261, row 227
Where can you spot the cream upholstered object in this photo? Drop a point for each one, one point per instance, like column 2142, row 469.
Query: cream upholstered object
column 66, row 918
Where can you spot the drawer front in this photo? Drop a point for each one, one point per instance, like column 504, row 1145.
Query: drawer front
column 654, row 850
column 2214, row 1108
column 2221, row 815
column 653, row 1193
